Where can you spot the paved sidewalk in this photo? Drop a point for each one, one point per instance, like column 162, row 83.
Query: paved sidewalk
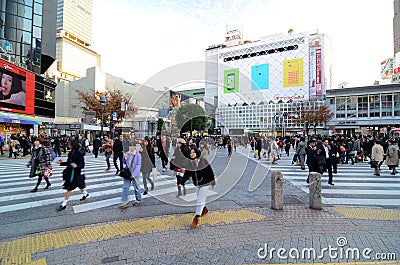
column 239, row 236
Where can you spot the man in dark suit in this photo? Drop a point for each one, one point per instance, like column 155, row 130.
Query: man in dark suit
column 311, row 161
column 118, row 150
column 330, row 156
column 96, row 146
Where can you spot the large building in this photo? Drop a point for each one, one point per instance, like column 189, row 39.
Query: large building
column 269, row 74
column 74, row 41
column 27, row 49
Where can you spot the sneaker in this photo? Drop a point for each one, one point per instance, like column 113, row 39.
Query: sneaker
column 84, row 197
column 137, row 202
column 124, row 205
column 60, row 208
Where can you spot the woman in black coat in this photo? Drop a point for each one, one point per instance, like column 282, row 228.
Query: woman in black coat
column 148, row 163
column 72, row 173
column 202, row 176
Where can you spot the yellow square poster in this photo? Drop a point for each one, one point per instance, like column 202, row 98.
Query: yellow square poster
column 293, row 72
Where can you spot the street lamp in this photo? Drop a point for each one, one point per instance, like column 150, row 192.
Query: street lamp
column 102, row 103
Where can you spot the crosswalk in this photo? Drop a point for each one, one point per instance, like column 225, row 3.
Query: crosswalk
column 104, row 187
column 355, row 185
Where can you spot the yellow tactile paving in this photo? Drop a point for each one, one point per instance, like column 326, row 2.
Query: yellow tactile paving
column 374, row 214
column 18, row 251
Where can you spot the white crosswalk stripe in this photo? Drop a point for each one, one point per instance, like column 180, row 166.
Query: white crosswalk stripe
column 354, row 184
column 104, row 187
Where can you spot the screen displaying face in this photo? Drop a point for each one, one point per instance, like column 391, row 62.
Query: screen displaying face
column 12, row 90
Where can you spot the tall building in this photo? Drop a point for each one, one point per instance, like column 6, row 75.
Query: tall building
column 269, row 74
column 396, row 26
column 27, row 49
column 74, row 40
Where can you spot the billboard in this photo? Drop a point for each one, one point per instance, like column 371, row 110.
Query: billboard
column 231, row 80
column 313, row 73
column 175, row 99
column 387, row 68
column 293, row 72
column 319, row 73
column 17, row 89
column 260, row 77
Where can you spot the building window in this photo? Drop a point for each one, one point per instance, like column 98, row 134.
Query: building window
column 363, row 106
column 374, row 106
column 351, row 103
column 387, row 105
column 396, row 104
column 341, row 107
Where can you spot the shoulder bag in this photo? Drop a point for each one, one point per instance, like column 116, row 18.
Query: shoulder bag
column 126, row 172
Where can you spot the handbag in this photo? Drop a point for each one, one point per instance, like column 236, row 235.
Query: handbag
column 125, row 172
column 321, row 160
column 374, row 164
column 171, row 165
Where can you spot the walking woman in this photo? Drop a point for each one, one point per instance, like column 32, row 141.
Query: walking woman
column 148, row 163
column 40, row 162
column 178, row 164
column 72, row 173
column 392, row 157
column 377, row 156
column 133, row 160
column 202, row 176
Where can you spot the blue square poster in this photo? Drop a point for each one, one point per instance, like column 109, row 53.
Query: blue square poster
column 260, row 77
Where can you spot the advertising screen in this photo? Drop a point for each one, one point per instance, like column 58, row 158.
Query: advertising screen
column 231, row 80
column 260, row 77
column 17, row 88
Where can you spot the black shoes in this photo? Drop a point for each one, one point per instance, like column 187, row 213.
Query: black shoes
column 117, row 173
column 60, row 208
column 330, row 183
column 34, row 190
column 145, row 192
column 47, row 186
column 84, row 197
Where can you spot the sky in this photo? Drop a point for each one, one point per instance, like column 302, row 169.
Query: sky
column 139, row 38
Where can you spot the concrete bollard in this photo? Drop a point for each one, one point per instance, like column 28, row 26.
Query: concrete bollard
column 315, row 191
column 277, row 191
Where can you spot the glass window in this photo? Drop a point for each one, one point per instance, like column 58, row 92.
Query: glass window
column 396, row 104
column 351, row 106
column 28, row 2
column 37, row 9
column 340, row 107
column 28, row 12
column 374, row 106
column 386, row 105
column 37, row 32
column 39, row 1
column 27, row 24
column 363, row 106
column 37, row 20
column 26, row 36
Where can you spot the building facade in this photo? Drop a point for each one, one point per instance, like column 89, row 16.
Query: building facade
column 366, row 110
column 253, row 82
column 27, row 49
column 74, row 41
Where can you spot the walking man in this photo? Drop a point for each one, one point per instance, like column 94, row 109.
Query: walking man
column 118, row 153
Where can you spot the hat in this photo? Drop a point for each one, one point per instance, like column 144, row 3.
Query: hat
column 312, row 140
column 182, row 141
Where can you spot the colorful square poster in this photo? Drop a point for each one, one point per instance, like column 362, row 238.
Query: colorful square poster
column 293, row 72
column 260, row 77
column 231, row 80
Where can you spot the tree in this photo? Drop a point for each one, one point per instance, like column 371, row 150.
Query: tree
column 312, row 114
column 191, row 117
column 91, row 102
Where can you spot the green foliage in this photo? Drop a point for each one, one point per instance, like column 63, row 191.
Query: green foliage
column 192, row 112
column 160, row 125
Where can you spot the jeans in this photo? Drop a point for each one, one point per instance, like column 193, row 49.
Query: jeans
column 126, row 186
column 146, row 176
column 201, row 198
column 108, row 155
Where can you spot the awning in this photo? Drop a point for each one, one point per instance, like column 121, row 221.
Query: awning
column 9, row 117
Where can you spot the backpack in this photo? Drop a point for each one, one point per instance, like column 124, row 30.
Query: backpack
column 53, row 154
